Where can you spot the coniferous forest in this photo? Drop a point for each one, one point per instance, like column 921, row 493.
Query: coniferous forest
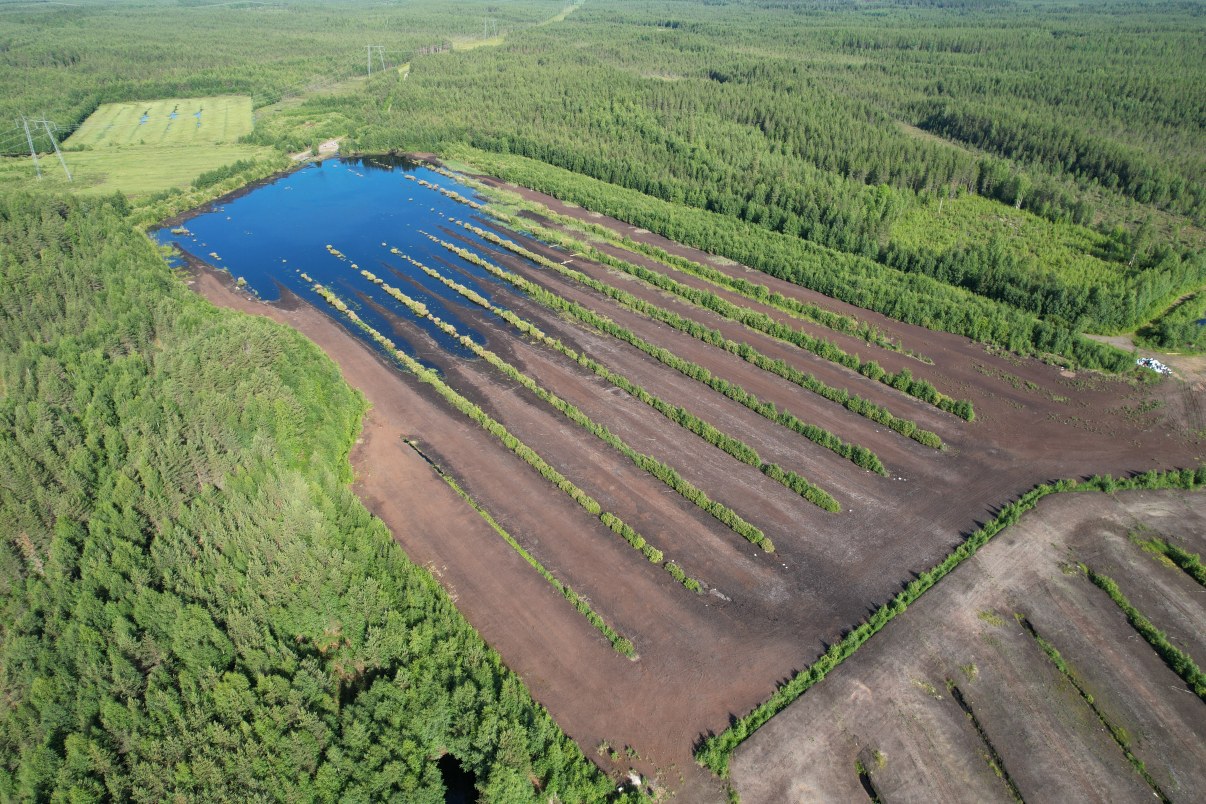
column 195, row 604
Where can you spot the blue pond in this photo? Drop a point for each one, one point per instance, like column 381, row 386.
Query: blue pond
column 362, row 208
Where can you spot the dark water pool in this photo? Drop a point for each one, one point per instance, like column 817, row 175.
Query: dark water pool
column 460, row 785
column 361, row 207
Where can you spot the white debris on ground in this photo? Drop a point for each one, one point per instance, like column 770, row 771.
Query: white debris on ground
column 1153, row 364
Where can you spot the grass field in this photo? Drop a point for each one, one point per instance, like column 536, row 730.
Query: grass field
column 135, row 171
column 469, row 43
column 172, row 121
column 139, row 148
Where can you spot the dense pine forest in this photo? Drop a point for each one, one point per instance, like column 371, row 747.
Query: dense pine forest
column 195, row 604
column 875, row 134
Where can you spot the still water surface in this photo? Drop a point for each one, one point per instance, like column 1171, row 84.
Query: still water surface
column 362, row 207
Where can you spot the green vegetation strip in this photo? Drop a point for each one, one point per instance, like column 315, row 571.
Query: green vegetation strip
column 453, row 194
column 1117, row 732
column 759, row 322
column 657, row 469
column 680, row 416
column 837, row 322
column 901, row 381
column 860, row 456
column 714, row 751
column 851, row 402
column 522, row 450
column 621, row 644
column 1190, row 563
column 1179, row 661
column 847, row 325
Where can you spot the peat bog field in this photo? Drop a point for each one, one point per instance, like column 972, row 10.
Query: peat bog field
column 656, row 491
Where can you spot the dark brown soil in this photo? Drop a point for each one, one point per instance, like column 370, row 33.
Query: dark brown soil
column 703, row 658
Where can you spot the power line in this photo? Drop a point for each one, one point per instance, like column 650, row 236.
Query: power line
column 50, row 128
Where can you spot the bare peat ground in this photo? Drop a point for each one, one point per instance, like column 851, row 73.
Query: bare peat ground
column 703, row 658
column 891, row 708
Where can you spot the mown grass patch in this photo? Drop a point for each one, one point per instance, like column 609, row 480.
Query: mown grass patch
column 135, row 171
column 215, row 120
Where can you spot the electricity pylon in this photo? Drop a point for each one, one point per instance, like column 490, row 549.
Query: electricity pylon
column 32, row 151
column 380, row 51
column 46, row 124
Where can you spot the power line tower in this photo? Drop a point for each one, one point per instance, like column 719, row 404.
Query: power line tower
column 380, row 51
column 489, row 27
column 46, row 124
column 32, row 151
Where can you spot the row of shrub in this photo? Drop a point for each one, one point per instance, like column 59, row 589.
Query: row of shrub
column 911, row 298
column 211, row 177
column 496, row 429
column 622, row 645
column 902, row 381
column 680, row 416
column 714, row 751
column 647, row 463
column 761, row 322
column 836, row 321
column 1120, row 735
column 852, row 402
column 1180, row 662
column 860, row 456
column 1190, row 563
column 151, row 211
column 454, row 195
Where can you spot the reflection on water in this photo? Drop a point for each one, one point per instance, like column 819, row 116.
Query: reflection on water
column 359, row 207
